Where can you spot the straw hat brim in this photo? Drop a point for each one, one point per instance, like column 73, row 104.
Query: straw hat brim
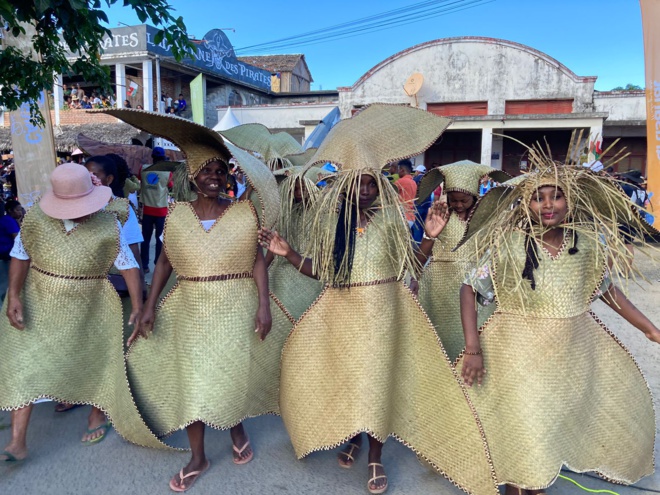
column 71, row 209
column 461, row 176
column 257, row 138
column 380, row 134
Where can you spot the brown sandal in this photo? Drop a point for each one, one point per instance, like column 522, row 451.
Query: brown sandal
column 382, row 489
column 349, row 454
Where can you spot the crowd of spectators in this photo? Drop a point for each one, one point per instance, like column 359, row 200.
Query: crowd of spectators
column 75, row 98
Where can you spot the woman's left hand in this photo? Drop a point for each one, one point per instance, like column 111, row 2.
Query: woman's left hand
column 138, row 330
column 263, row 321
column 436, row 219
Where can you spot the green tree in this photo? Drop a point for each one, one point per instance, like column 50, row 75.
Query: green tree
column 628, row 87
column 73, row 26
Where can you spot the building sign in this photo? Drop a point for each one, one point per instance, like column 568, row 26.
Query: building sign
column 214, row 53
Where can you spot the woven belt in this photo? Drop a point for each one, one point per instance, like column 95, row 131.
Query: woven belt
column 68, row 277
column 366, row 284
column 214, row 278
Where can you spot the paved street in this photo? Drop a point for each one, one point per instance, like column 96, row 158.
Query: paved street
column 58, row 464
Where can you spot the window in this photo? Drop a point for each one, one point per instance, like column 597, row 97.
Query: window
column 520, row 107
column 235, row 99
column 458, row 109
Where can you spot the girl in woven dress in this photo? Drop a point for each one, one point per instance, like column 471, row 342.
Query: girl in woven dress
column 351, row 365
column 561, row 389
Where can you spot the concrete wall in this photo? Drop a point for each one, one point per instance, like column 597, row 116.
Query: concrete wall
column 470, row 69
column 621, row 106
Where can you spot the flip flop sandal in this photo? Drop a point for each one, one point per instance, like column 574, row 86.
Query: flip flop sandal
column 105, row 427
column 382, row 489
column 65, row 407
column 11, row 458
column 237, row 458
column 350, row 456
column 182, row 478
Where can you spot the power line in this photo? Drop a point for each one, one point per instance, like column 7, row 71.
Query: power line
column 401, row 21
column 401, row 16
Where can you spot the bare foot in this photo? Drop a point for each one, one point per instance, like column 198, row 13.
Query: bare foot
column 514, row 490
column 185, row 479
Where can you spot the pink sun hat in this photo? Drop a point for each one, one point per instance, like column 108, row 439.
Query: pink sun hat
column 73, row 195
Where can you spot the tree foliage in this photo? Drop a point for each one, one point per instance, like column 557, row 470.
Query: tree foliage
column 64, row 27
column 628, row 87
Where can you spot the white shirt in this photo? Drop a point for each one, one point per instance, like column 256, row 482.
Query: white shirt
column 125, row 259
column 206, row 224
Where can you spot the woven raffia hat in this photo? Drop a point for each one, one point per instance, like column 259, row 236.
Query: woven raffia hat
column 201, row 145
column 462, row 176
column 378, row 135
column 273, row 148
column 597, row 207
column 73, row 195
column 362, row 145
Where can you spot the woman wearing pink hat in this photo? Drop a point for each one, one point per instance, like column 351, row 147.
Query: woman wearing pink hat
column 61, row 337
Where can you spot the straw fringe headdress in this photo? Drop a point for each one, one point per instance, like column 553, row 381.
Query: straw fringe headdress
column 200, row 146
column 288, row 179
column 597, row 208
column 462, row 176
column 362, row 145
column 278, row 150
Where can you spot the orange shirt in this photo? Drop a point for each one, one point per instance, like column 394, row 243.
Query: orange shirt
column 407, row 192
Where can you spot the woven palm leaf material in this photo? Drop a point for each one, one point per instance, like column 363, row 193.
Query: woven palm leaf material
column 440, row 284
column 366, row 359
column 561, row 390
column 201, row 145
column 273, row 148
column 72, row 347
column 204, row 361
column 462, row 176
column 295, row 291
column 597, row 207
column 377, row 135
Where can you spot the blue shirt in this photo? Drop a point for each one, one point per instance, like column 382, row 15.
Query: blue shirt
column 8, row 228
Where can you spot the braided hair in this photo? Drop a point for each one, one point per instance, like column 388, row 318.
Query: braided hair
column 345, row 240
column 532, row 260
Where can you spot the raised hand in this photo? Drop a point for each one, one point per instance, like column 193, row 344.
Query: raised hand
column 437, row 218
column 271, row 240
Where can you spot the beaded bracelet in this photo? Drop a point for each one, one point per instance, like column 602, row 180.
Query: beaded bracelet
column 426, row 236
column 468, row 353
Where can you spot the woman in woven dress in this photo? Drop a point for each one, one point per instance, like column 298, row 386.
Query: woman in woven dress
column 208, row 361
column 443, row 276
column 61, row 337
column 561, row 389
column 352, row 365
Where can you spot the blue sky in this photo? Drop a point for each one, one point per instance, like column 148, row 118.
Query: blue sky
column 591, row 37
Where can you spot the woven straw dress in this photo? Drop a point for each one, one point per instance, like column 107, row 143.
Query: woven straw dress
column 72, row 347
column 440, row 285
column 204, row 361
column 561, row 389
column 365, row 358
column 294, row 291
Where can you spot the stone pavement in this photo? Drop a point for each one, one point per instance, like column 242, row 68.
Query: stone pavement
column 59, row 464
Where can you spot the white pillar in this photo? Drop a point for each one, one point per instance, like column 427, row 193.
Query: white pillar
column 120, row 84
column 486, row 145
column 497, row 152
column 148, row 85
column 58, row 96
column 159, row 95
